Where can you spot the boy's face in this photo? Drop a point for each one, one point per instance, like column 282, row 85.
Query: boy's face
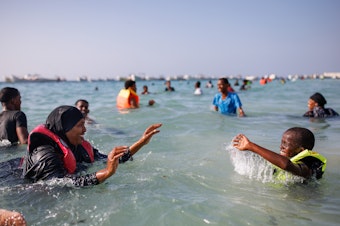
column 289, row 147
column 83, row 107
column 221, row 86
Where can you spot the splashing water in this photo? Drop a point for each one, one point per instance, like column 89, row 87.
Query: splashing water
column 255, row 167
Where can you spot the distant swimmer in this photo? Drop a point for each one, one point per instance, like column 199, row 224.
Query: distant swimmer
column 209, row 84
column 316, row 107
column 128, row 97
column 168, row 87
column 145, row 90
column 198, row 90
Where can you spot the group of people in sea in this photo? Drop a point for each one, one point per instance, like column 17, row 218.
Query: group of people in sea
column 57, row 148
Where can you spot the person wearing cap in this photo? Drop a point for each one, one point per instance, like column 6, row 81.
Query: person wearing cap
column 13, row 122
column 57, row 149
column 316, row 107
column 227, row 102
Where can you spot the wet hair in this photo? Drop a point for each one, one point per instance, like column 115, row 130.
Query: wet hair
column 225, row 80
column 81, row 100
column 8, row 93
column 129, row 83
column 302, row 137
column 318, row 98
column 198, row 84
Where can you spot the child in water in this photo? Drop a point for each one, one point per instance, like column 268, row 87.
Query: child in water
column 296, row 155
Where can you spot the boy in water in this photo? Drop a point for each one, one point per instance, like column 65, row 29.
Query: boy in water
column 226, row 101
column 296, row 155
column 83, row 106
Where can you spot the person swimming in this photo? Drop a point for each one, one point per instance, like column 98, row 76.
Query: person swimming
column 316, row 107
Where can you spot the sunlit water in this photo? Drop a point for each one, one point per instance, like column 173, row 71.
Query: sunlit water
column 188, row 174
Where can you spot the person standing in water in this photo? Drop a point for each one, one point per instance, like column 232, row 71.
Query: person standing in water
column 168, row 87
column 128, row 97
column 198, row 90
column 13, row 122
column 227, row 102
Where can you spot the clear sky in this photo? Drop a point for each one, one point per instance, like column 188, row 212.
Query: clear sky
column 72, row 38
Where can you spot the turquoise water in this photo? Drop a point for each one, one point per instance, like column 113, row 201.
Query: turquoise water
column 188, row 174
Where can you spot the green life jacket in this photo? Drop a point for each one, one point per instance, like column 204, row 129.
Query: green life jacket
column 284, row 175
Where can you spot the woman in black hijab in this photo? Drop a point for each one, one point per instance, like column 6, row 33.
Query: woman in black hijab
column 56, row 149
column 316, row 107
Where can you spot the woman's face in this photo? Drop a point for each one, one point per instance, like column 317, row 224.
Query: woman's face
column 311, row 104
column 75, row 135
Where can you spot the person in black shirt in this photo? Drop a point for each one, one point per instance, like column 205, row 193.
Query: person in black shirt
column 13, row 122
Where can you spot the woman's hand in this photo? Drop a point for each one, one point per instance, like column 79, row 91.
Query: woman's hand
column 112, row 163
column 147, row 135
column 149, row 132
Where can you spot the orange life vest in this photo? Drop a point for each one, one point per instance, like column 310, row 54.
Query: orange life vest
column 124, row 98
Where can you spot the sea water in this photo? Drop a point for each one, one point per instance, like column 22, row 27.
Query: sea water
column 188, row 174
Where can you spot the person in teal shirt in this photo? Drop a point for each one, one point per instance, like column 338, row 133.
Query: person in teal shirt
column 227, row 102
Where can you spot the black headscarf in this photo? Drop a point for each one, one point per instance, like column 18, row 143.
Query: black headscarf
column 318, row 98
column 62, row 119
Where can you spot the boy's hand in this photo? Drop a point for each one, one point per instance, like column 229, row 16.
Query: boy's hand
column 241, row 142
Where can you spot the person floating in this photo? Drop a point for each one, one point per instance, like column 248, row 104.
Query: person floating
column 227, row 102
column 316, row 107
column 296, row 155
column 57, row 149
column 13, row 122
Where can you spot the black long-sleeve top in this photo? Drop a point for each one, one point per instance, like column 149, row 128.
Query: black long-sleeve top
column 45, row 162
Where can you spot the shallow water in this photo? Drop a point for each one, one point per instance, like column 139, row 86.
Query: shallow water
column 185, row 175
